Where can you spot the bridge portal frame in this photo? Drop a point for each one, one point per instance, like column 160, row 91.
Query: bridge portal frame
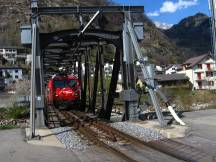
column 37, row 81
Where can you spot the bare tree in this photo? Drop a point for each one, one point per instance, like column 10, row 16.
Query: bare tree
column 23, row 89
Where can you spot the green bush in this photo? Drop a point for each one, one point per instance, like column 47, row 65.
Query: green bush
column 211, row 107
column 184, row 97
column 3, row 127
column 3, row 110
column 17, row 113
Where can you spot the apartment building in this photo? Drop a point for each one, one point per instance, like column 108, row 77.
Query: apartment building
column 201, row 71
column 9, row 54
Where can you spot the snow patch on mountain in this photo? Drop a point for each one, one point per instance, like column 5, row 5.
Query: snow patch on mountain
column 163, row 26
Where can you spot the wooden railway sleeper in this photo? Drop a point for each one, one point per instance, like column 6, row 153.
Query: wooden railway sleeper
column 93, row 136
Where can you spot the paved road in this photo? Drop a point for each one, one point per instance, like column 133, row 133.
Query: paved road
column 202, row 123
column 203, row 130
column 14, row 149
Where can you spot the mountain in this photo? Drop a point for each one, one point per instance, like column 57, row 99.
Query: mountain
column 156, row 45
column 13, row 14
column 192, row 35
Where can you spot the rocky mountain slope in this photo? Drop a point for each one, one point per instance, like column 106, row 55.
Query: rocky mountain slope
column 12, row 15
column 157, row 46
column 160, row 47
column 192, row 35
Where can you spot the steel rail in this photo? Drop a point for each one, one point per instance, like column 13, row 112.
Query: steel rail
column 167, row 146
column 163, row 147
column 82, row 122
column 93, row 136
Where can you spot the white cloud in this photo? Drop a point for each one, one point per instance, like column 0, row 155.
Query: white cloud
column 170, row 7
column 153, row 14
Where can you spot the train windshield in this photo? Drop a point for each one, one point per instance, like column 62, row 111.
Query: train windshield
column 72, row 83
column 59, row 83
column 64, row 83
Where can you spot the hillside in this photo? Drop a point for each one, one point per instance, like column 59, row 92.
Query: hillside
column 13, row 14
column 157, row 46
column 192, row 35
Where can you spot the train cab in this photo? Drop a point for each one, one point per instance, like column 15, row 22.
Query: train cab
column 63, row 91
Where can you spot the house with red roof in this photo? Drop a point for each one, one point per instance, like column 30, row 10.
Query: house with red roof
column 201, row 71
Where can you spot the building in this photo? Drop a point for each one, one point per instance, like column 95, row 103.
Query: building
column 13, row 54
column 11, row 74
column 28, row 59
column 164, row 80
column 22, row 55
column 173, row 68
column 201, row 71
column 172, row 80
column 9, row 54
column 159, row 70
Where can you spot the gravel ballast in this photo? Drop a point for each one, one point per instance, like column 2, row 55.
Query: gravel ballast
column 145, row 134
column 70, row 138
column 73, row 141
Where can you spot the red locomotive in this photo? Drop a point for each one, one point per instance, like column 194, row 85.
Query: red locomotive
column 63, row 90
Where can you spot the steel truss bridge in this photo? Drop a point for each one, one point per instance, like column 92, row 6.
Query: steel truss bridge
column 68, row 47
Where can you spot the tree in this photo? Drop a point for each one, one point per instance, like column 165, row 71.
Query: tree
column 7, row 74
column 22, row 92
column 23, row 88
column 3, row 60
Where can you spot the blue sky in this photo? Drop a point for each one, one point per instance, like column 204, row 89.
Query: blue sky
column 169, row 11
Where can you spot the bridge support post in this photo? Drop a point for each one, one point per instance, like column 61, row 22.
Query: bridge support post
column 147, row 72
column 80, row 76
column 113, row 84
column 33, row 93
column 102, row 80
column 89, row 79
column 85, row 82
column 131, row 102
column 34, row 21
column 94, row 93
column 37, row 98
column 40, row 121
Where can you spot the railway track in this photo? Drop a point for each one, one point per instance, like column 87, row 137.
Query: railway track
column 128, row 147
column 52, row 119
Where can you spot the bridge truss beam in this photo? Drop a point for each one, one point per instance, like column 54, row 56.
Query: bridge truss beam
column 46, row 51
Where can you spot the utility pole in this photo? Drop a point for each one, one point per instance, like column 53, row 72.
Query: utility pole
column 212, row 7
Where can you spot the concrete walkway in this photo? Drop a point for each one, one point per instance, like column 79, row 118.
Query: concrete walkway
column 200, row 130
column 202, row 123
column 202, row 134
column 13, row 148
column 48, row 138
